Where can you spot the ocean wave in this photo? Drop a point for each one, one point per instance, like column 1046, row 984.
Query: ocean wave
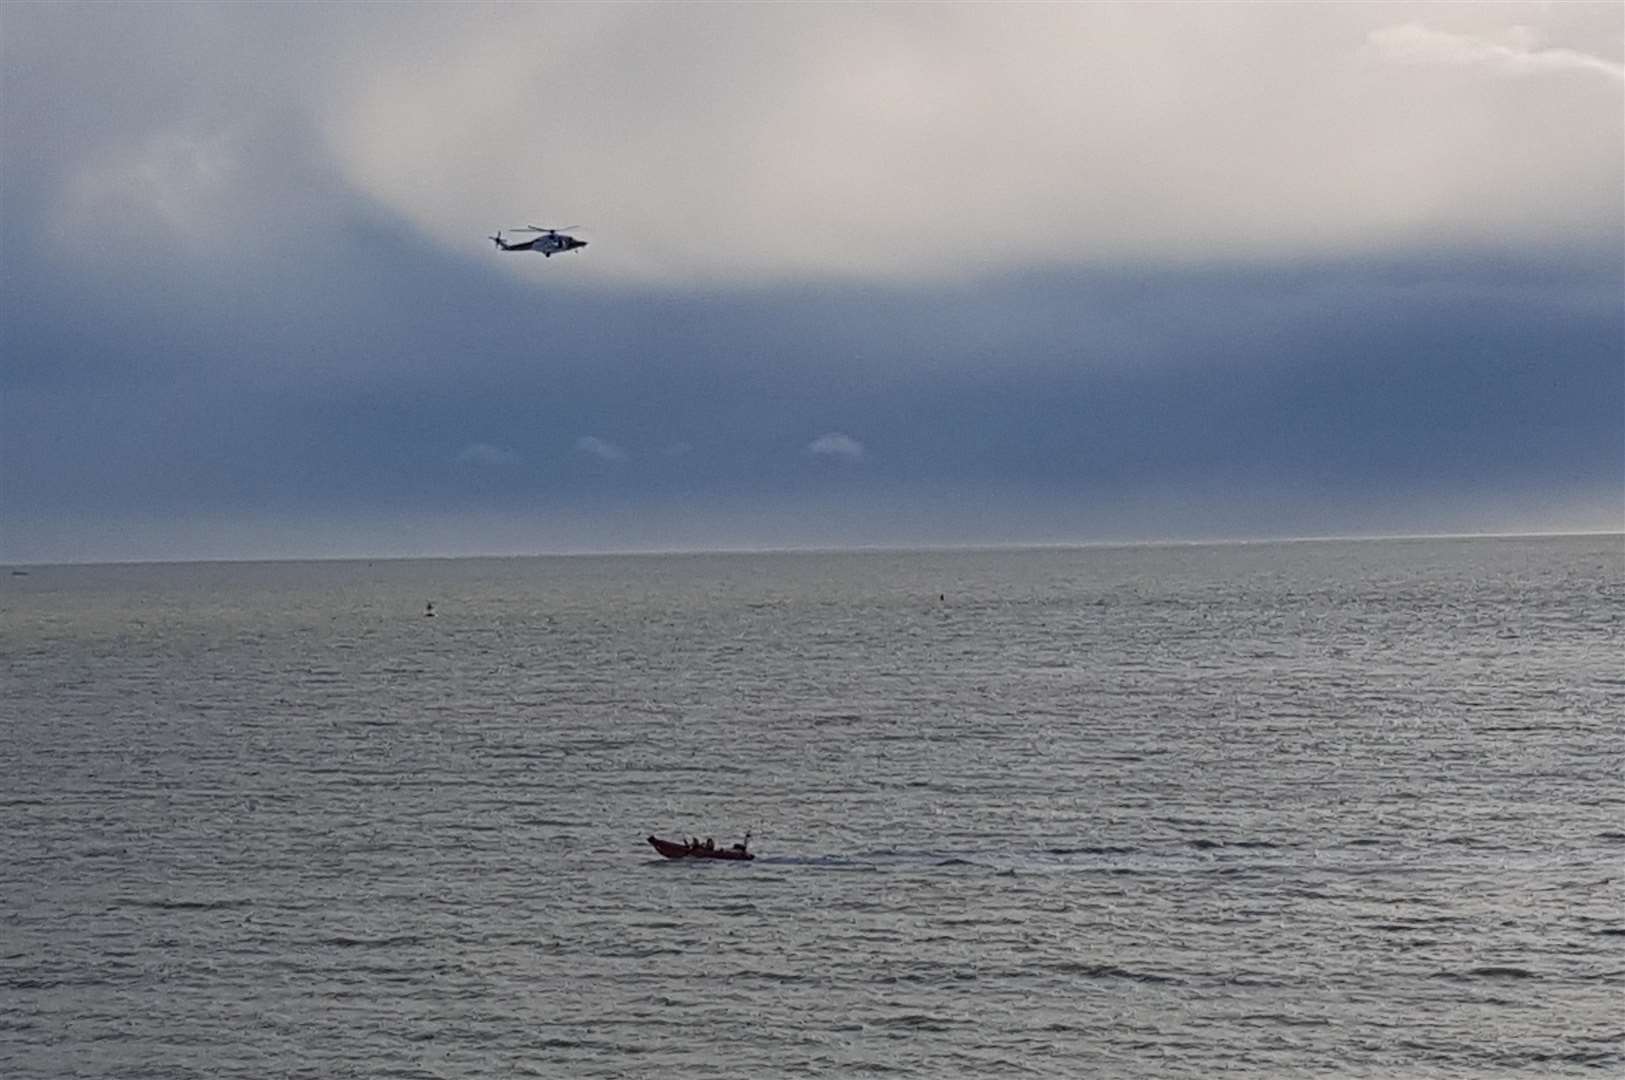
column 345, row 941
column 168, row 904
column 1491, row 971
column 1108, row 971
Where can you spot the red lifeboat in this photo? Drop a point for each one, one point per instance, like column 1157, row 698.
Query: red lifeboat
column 673, row 849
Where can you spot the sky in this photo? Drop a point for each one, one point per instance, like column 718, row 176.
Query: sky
column 856, row 275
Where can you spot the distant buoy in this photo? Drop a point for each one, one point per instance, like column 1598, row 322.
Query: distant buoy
column 428, row 610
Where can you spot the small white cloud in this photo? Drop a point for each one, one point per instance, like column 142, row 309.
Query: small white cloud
column 485, row 454
column 836, row 446
column 1413, row 43
column 602, row 449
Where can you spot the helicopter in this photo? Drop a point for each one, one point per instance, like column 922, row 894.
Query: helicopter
column 548, row 241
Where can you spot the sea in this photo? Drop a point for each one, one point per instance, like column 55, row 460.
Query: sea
column 1310, row 809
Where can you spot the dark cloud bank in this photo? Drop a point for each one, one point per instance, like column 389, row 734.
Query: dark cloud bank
column 385, row 382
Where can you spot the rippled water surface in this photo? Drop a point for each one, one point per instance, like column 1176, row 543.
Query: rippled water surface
column 1351, row 809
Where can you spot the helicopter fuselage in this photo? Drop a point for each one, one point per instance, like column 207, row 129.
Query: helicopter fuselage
column 549, row 245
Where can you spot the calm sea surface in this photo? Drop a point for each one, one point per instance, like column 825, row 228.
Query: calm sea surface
column 1340, row 809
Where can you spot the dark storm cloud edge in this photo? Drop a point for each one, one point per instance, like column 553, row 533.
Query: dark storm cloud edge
column 1333, row 383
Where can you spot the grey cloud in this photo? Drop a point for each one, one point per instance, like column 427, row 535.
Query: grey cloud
column 837, row 446
column 1415, row 43
column 826, row 142
column 602, row 449
column 907, row 143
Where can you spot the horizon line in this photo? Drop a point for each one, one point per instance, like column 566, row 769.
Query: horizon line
column 852, row 549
